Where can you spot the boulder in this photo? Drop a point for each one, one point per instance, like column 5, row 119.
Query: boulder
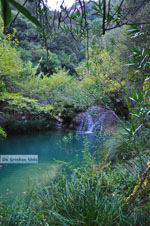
column 96, row 118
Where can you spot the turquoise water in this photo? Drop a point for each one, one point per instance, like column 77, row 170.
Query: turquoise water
column 49, row 146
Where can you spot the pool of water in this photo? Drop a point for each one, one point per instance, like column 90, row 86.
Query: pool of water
column 49, row 146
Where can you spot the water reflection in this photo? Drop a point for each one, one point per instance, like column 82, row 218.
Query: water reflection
column 49, row 146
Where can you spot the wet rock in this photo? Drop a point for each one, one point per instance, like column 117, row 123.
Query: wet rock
column 96, row 118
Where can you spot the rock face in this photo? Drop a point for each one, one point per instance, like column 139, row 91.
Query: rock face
column 96, row 118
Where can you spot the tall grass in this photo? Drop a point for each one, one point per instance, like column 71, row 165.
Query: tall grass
column 82, row 200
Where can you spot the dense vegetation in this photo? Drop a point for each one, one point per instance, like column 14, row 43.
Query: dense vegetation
column 47, row 78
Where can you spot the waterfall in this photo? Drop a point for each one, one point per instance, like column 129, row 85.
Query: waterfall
column 96, row 118
column 98, row 126
column 88, row 125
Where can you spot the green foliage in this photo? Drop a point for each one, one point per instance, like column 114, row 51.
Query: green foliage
column 51, row 65
column 13, row 103
column 140, row 112
column 21, row 104
column 2, row 133
column 139, row 60
column 104, row 75
column 26, row 124
column 6, row 12
column 10, row 62
column 29, row 70
column 124, row 145
column 59, row 90
column 63, row 50
column 43, row 86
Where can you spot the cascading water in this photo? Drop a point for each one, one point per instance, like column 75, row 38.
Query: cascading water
column 86, row 124
column 94, row 119
column 98, row 126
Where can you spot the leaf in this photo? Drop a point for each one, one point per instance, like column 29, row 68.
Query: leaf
column 131, row 98
column 135, row 115
column 147, row 78
column 6, row 12
column 93, row 7
column 96, row 14
column 148, row 124
column 138, row 128
column 25, row 12
column 78, row 13
column 109, row 17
